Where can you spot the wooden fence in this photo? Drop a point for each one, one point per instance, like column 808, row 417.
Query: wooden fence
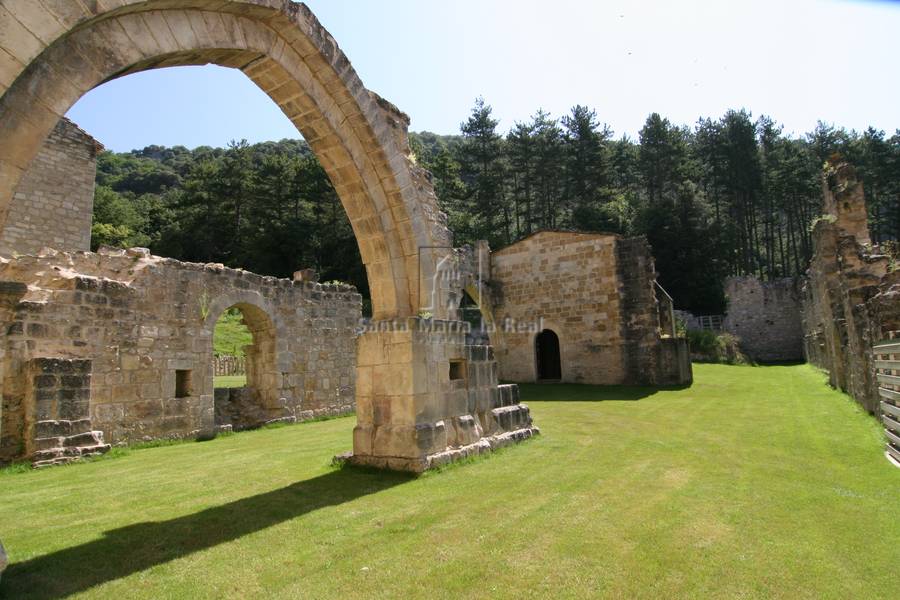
column 887, row 371
column 229, row 365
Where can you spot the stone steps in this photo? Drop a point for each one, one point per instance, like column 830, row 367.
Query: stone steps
column 77, row 442
column 49, row 458
column 512, row 418
column 507, row 414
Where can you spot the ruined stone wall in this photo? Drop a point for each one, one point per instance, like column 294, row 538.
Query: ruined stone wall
column 53, row 205
column 850, row 299
column 146, row 326
column 766, row 317
column 652, row 354
column 596, row 292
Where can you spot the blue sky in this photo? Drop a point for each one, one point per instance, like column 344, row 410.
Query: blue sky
column 796, row 60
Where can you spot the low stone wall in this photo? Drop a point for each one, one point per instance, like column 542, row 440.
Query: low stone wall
column 766, row 317
column 146, row 324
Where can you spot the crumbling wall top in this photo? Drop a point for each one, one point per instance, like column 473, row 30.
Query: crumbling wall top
column 844, row 199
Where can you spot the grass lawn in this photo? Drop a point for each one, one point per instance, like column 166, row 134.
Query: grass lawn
column 229, row 381
column 755, row 482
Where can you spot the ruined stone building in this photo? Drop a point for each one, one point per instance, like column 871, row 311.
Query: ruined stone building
column 116, row 346
column 592, row 308
column 851, row 298
column 53, row 204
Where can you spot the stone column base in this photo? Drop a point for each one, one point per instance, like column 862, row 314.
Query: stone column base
column 438, row 459
column 425, row 398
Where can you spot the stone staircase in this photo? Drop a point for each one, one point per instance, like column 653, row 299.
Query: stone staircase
column 507, row 413
column 61, row 442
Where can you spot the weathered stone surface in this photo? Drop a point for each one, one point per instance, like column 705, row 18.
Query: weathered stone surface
column 850, row 299
column 53, row 204
column 597, row 293
column 121, row 342
column 766, row 317
column 411, row 420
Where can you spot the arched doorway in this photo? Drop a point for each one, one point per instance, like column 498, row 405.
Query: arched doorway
column 546, row 353
column 256, row 402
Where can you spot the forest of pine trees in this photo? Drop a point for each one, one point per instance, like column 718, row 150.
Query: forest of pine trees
column 728, row 196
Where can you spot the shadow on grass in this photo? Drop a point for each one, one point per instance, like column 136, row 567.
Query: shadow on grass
column 131, row 549
column 571, row 392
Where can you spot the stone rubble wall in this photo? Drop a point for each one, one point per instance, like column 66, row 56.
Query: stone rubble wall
column 650, row 358
column 140, row 319
column 53, row 205
column 766, row 317
column 850, row 299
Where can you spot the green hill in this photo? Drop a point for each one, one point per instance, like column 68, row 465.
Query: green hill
column 231, row 334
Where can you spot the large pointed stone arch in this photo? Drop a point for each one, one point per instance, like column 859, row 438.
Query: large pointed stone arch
column 423, row 397
column 53, row 52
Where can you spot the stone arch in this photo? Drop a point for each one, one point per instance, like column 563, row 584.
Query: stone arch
column 251, row 298
column 56, row 52
column 260, row 400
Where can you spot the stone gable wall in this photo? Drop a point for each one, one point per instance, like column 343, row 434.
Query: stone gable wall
column 597, row 293
column 566, row 283
column 53, row 205
column 140, row 319
column 766, row 316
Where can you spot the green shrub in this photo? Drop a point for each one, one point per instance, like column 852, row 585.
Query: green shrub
column 715, row 347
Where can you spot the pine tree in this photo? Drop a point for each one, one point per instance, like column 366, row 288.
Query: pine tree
column 587, row 168
column 521, row 150
column 548, row 170
column 480, row 156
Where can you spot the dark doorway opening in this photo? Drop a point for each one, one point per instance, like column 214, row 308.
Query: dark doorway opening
column 546, row 350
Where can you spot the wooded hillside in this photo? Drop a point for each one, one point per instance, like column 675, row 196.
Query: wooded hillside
column 727, row 196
